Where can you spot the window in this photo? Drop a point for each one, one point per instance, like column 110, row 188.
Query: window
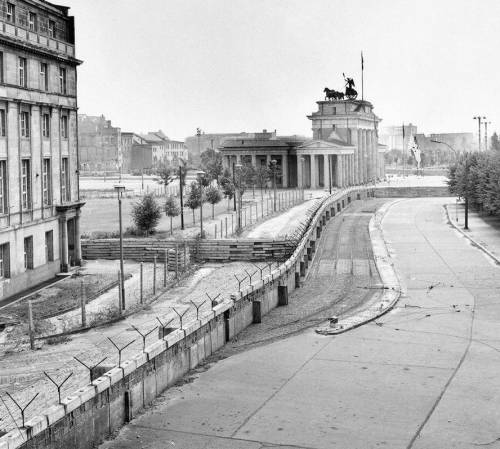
column 28, row 253
column 46, row 183
column 32, row 21
column 64, row 126
column 23, row 75
column 49, row 246
column 5, row 260
column 3, row 188
column 26, row 183
column 44, row 77
column 65, row 192
column 11, row 13
column 3, row 123
column 45, row 125
column 52, row 28
column 62, row 80
column 25, row 124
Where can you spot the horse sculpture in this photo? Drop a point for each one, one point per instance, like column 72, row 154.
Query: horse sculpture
column 332, row 94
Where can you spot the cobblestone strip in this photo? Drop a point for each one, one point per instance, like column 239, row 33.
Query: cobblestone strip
column 383, row 300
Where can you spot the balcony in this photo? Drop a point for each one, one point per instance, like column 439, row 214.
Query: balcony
column 39, row 40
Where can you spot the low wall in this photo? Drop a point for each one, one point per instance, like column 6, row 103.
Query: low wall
column 96, row 410
column 220, row 250
column 411, row 192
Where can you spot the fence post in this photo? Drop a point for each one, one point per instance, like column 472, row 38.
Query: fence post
column 30, row 325
column 176, row 261
column 120, row 303
column 83, row 302
column 165, row 269
column 154, row 275
column 141, row 283
column 184, row 262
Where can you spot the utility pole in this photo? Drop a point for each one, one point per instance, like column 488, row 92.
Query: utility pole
column 486, row 135
column 479, row 118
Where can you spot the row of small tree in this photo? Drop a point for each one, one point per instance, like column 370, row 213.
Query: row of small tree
column 476, row 177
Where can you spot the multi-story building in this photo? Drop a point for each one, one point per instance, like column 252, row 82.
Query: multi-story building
column 39, row 197
column 129, row 139
column 157, row 151
column 100, row 145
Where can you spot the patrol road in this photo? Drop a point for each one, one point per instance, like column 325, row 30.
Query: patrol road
column 423, row 376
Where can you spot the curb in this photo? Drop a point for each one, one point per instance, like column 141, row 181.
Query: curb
column 468, row 237
column 391, row 290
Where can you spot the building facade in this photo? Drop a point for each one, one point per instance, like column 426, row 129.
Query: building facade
column 344, row 149
column 155, row 151
column 129, row 140
column 39, row 197
column 100, row 145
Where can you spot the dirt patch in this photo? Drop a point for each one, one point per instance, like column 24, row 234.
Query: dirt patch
column 61, row 297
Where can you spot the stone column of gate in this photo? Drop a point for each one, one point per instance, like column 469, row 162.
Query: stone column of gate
column 300, row 176
column 326, row 171
column 284, row 171
column 366, row 152
column 369, row 145
column 238, row 159
column 346, row 170
column 314, row 182
column 374, row 155
column 354, row 142
column 353, row 182
column 338, row 173
column 359, row 172
column 254, row 160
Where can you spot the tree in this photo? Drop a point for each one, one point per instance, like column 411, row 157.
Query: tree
column 495, row 143
column 228, row 188
column 211, row 163
column 262, row 177
column 172, row 209
column 213, row 196
column 194, row 198
column 146, row 214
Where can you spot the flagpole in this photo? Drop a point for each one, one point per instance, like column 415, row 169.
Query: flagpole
column 362, row 78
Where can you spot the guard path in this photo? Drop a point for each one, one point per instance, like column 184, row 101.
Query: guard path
column 423, row 376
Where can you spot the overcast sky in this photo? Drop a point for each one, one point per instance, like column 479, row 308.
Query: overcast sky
column 245, row 65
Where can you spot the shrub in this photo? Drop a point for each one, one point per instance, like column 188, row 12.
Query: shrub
column 146, row 214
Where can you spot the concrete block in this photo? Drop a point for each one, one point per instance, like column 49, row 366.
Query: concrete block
column 34, row 426
column 155, row 349
column 128, row 366
column 16, row 438
column 86, row 393
column 101, row 383
column 221, row 308
column 174, row 337
column 54, row 414
column 71, row 403
column 140, row 359
column 4, row 444
column 193, row 356
column 114, row 375
column 191, row 327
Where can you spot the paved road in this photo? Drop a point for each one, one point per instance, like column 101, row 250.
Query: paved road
column 424, row 376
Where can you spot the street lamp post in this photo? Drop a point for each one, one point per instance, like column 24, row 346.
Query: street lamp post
column 237, row 191
column 199, row 175
column 119, row 190
column 274, row 162
column 181, row 183
column 479, row 118
column 466, row 198
column 486, row 135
